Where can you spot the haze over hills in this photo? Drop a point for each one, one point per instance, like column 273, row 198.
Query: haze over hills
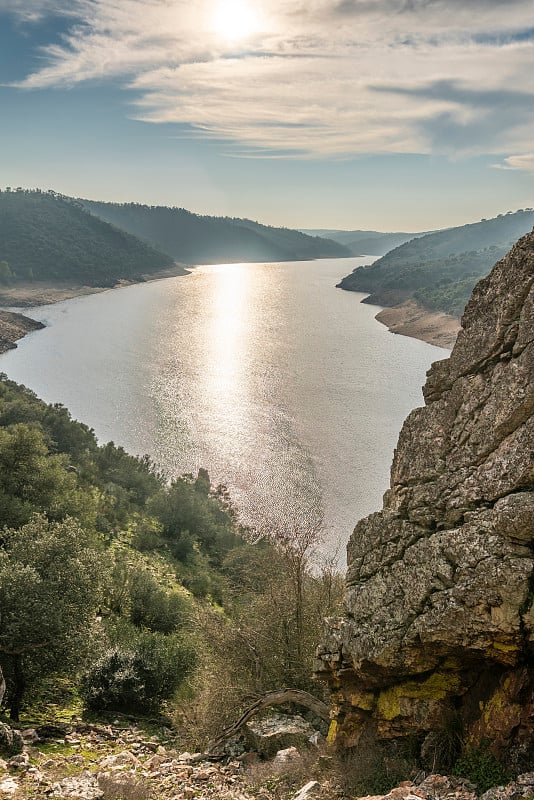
column 370, row 243
column 193, row 238
column 47, row 237
column 440, row 269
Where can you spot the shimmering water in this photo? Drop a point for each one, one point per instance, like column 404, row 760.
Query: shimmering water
column 285, row 388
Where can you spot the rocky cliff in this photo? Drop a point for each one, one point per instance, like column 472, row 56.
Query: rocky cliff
column 438, row 626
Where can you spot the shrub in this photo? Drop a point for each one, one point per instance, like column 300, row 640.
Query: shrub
column 441, row 749
column 481, row 768
column 154, row 608
column 139, row 676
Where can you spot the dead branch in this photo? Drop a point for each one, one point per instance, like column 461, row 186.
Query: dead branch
column 276, row 698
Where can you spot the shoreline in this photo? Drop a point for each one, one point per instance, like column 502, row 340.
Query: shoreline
column 411, row 319
column 14, row 325
column 406, row 319
column 42, row 293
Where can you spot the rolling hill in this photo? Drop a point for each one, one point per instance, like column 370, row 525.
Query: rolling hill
column 196, row 239
column 440, row 269
column 370, row 243
column 48, row 237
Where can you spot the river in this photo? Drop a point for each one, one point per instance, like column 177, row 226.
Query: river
column 285, row 388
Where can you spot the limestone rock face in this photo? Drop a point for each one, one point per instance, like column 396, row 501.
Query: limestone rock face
column 439, row 617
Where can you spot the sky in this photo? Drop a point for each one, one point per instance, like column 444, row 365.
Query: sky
column 394, row 115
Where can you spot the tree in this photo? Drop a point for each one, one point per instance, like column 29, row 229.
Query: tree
column 32, row 480
column 50, row 576
column 5, row 272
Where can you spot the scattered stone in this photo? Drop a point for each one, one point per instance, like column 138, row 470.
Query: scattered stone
column 83, row 787
column 10, row 740
column 50, row 731
column 20, row 761
column 311, row 789
column 120, row 760
column 8, row 786
column 284, row 756
column 30, row 736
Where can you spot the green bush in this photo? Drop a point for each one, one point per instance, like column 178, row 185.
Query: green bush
column 155, row 609
column 138, row 677
column 481, row 768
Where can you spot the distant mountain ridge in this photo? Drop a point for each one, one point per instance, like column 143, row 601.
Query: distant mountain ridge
column 47, row 237
column 440, row 269
column 370, row 243
column 197, row 239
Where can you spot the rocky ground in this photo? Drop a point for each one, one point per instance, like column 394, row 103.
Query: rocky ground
column 13, row 327
column 112, row 762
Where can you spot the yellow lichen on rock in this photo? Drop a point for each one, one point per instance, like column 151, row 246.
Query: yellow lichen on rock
column 332, row 732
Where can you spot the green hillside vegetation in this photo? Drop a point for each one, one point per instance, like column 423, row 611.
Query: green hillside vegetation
column 440, row 269
column 47, row 237
column 138, row 590
column 194, row 239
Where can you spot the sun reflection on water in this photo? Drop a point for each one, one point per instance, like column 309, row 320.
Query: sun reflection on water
column 226, row 335
column 225, row 369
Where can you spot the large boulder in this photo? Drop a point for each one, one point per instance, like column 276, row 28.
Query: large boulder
column 269, row 734
column 11, row 741
column 439, row 620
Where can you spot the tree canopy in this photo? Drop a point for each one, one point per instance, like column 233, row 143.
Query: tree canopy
column 440, row 269
column 48, row 237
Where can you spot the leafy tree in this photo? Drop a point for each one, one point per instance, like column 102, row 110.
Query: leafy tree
column 192, row 516
column 5, row 272
column 154, row 608
column 32, row 480
column 50, row 576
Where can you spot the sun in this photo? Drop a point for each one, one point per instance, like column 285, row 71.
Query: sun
column 235, row 20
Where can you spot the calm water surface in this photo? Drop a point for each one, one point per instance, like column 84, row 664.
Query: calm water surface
column 285, row 388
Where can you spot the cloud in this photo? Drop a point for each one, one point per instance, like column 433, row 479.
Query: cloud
column 524, row 162
column 313, row 78
column 36, row 10
column 473, row 118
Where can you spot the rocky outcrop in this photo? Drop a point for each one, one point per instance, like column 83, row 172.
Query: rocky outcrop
column 14, row 326
column 439, row 619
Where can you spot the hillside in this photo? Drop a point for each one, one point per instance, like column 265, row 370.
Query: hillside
column 370, row 243
column 439, row 270
column 47, row 237
column 123, row 591
column 194, row 239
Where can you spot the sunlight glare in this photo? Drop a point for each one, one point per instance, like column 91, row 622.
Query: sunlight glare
column 234, row 20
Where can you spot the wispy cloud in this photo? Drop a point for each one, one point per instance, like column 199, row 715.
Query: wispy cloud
column 35, row 10
column 524, row 162
column 314, row 78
